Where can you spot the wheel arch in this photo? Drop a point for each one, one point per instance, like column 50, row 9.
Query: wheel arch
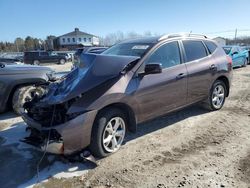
column 225, row 80
column 128, row 111
column 62, row 58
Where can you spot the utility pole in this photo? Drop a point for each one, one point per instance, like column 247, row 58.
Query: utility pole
column 235, row 35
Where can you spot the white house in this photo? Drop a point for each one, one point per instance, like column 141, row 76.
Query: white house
column 77, row 38
column 221, row 41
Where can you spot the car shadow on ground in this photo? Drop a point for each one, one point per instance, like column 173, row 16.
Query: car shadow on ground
column 18, row 161
column 165, row 121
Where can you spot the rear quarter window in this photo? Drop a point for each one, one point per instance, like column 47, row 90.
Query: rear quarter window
column 194, row 50
column 211, row 46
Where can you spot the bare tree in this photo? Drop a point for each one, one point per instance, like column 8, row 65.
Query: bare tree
column 19, row 43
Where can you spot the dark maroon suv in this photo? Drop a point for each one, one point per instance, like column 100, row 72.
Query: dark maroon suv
column 134, row 81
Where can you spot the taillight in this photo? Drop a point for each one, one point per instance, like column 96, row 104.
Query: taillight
column 230, row 62
column 229, row 59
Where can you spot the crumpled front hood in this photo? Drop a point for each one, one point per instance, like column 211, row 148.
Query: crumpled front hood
column 97, row 69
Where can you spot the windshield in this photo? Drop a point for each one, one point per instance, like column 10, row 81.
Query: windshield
column 227, row 49
column 129, row 49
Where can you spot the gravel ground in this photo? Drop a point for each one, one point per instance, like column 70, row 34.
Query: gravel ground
column 188, row 148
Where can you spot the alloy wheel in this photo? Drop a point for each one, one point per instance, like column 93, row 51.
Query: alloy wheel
column 218, row 96
column 113, row 134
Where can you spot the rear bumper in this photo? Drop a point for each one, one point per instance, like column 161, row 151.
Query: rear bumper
column 75, row 134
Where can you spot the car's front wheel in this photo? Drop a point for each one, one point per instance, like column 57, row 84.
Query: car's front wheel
column 217, row 96
column 108, row 132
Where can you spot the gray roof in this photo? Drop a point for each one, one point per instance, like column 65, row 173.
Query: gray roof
column 76, row 32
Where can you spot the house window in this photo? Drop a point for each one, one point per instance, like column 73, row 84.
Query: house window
column 79, row 39
column 73, row 39
column 68, row 39
column 89, row 39
column 85, row 40
column 63, row 40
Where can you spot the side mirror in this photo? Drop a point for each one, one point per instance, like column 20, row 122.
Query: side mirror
column 152, row 68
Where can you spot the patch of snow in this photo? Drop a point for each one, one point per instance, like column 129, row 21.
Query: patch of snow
column 58, row 169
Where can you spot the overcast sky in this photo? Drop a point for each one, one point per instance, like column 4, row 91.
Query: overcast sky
column 39, row 18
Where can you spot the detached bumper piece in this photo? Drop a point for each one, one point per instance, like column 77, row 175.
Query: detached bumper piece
column 49, row 140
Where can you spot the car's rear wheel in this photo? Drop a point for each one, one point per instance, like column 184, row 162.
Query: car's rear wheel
column 108, row 132
column 62, row 61
column 22, row 95
column 217, row 96
column 245, row 63
column 36, row 62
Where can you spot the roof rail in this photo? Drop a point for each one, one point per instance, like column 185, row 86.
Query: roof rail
column 174, row 35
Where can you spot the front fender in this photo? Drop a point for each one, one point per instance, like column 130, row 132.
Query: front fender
column 104, row 101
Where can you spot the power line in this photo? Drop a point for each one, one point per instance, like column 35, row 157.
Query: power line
column 227, row 31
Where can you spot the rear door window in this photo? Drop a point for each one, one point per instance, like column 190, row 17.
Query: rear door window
column 211, row 46
column 194, row 50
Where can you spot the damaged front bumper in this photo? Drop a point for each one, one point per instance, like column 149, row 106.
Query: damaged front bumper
column 66, row 138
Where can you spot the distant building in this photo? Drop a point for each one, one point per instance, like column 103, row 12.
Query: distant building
column 77, row 39
column 220, row 40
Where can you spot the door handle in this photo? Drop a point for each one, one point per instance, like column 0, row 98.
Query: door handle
column 213, row 67
column 180, row 76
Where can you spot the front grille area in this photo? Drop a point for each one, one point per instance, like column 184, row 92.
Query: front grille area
column 48, row 116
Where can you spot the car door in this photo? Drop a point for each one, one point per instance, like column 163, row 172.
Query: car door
column 159, row 93
column 44, row 57
column 236, row 57
column 242, row 56
column 200, row 68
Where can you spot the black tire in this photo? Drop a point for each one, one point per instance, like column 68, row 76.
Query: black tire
column 61, row 61
column 208, row 104
column 96, row 146
column 36, row 62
